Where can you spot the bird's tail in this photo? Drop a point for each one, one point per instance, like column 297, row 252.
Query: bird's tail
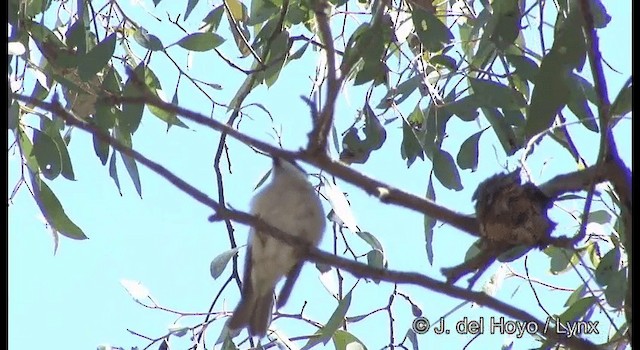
column 253, row 311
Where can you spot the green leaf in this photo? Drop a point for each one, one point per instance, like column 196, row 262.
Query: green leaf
column 493, row 94
column 616, row 288
column 296, row 55
column 525, row 67
column 577, row 309
column 156, row 2
column 473, row 250
column 13, row 116
column 221, row 261
column 560, row 259
column 96, row 59
column 569, row 41
column 129, row 163
column 261, row 10
column 507, row 15
column 576, row 295
column 445, row 61
column 27, row 150
column 335, row 321
column 214, row 17
column 550, row 95
column 52, row 210
column 433, row 34
column 53, row 131
column 410, row 148
column 238, row 10
column 506, row 135
column 201, row 41
column 622, row 104
column 446, row 171
column 429, row 222
column 600, row 216
column 47, row 154
column 468, row 155
column 608, row 266
column 190, row 6
column 578, row 104
column 401, row 92
column 514, row 253
column 465, row 108
column 167, row 116
column 148, row 41
column 343, row 340
column 370, row 239
column 132, row 112
column 277, row 57
column 376, row 259
column 113, row 172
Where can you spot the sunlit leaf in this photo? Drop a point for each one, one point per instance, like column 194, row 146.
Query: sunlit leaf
column 344, row 340
column 221, row 261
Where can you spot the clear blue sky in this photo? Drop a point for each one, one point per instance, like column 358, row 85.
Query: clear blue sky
column 74, row 300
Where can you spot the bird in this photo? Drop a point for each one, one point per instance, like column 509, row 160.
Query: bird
column 289, row 203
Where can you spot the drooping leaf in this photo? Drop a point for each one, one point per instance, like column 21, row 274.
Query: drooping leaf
column 433, row 34
column 129, row 163
column 410, row 149
column 578, row 105
column 261, row 10
column 190, row 6
column 47, row 154
column 446, row 171
column 52, row 210
column 113, row 171
column 525, row 67
column 214, row 17
column 429, row 222
column 96, row 59
column 371, row 240
column 221, row 261
column 376, row 259
column 616, row 288
column 53, row 131
column 277, row 57
column 506, row 134
column 550, row 95
column 608, row 266
column 506, row 14
column 468, row 155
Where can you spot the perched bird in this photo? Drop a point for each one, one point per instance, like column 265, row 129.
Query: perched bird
column 290, row 204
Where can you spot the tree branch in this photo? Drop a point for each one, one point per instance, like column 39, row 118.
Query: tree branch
column 311, row 253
